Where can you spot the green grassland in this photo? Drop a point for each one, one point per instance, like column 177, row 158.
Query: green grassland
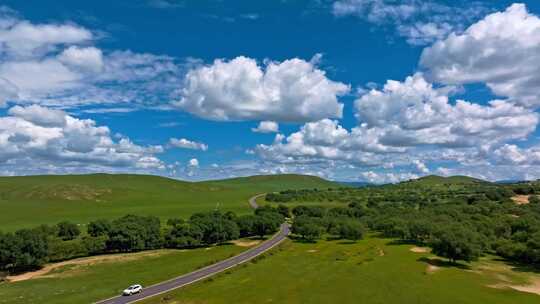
column 33, row 200
column 371, row 271
column 86, row 283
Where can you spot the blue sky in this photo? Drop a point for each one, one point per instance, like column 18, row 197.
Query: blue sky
column 371, row 90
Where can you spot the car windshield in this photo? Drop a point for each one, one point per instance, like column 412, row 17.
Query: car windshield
column 133, row 287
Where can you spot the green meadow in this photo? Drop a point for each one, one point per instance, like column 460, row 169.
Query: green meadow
column 96, row 278
column 33, row 200
column 371, row 271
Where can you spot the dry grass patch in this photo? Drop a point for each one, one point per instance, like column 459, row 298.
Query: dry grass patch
column 420, row 249
column 520, row 199
column 246, row 243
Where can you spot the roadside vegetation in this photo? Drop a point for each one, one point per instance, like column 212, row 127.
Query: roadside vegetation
column 30, row 249
column 90, row 279
column 373, row 270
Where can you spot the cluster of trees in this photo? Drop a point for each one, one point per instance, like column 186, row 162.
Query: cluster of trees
column 310, row 223
column 458, row 221
column 29, row 249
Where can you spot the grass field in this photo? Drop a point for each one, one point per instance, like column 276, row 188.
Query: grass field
column 371, row 271
column 33, row 200
column 88, row 280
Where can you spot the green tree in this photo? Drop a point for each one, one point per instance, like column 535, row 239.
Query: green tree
column 456, row 243
column 309, row 228
column 99, row 228
column 284, row 210
column 67, row 230
column 348, row 229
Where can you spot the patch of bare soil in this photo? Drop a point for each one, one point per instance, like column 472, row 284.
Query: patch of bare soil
column 419, row 249
column 520, row 199
column 432, row 269
column 380, row 252
column 44, row 272
column 533, row 287
column 312, row 250
column 244, row 243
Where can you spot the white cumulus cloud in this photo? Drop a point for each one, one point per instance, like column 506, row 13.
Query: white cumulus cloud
column 502, row 50
column 266, row 127
column 241, row 89
column 187, row 144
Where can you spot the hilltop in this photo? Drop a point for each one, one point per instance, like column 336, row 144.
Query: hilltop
column 46, row 199
column 450, row 180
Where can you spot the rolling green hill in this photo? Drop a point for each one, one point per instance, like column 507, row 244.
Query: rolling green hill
column 28, row 201
column 451, row 180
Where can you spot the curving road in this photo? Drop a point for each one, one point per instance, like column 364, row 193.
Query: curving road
column 205, row 272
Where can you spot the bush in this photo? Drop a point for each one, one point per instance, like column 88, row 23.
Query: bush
column 99, row 228
column 68, row 231
column 309, row 228
column 134, row 233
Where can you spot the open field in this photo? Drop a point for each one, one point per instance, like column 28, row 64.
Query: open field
column 371, row 271
column 99, row 277
column 34, row 200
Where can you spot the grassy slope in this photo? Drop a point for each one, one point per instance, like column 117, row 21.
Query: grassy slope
column 89, row 283
column 32, row 200
column 333, row 272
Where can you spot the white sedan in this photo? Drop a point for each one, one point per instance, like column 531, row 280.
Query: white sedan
column 133, row 289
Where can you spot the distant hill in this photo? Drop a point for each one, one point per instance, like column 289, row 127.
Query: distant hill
column 355, row 184
column 435, row 179
column 28, row 201
column 294, row 181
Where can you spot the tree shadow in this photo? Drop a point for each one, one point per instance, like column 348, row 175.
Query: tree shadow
column 347, row 242
column 298, row 239
column 403, row 242
column 520, row 267
column 443, row 263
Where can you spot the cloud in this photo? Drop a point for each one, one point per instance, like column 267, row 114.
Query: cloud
column 240, row 89
column 193, row 163
column 187, row 144
column 35, row 138
column 404, row 124
column 57, row 65
column 88, row 58
column 419, row 22
column 266, row 127
column 502, row 50
column 21, row 38
column 386, row 177
column 420, row 166
column 413, row 113
column 513, row 155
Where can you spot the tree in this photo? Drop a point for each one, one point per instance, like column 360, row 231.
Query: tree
column 23, row 250
column 246, row 225
column 95, row 245
column 183, row 236
column 267, row 223
column 99, row 228
column 67, row 230
column 134, row 233
column 456, row 243
column 348, row 229
column 175, row 222
column 215, row 227
column 308, row 228
column 284, row 210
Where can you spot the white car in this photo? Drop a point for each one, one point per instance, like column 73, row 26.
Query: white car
column 133, row 289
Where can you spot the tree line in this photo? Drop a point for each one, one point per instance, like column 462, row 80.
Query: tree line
column 458, row 225
column 29, row 249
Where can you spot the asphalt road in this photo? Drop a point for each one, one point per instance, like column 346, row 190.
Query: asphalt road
column 206, row 272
